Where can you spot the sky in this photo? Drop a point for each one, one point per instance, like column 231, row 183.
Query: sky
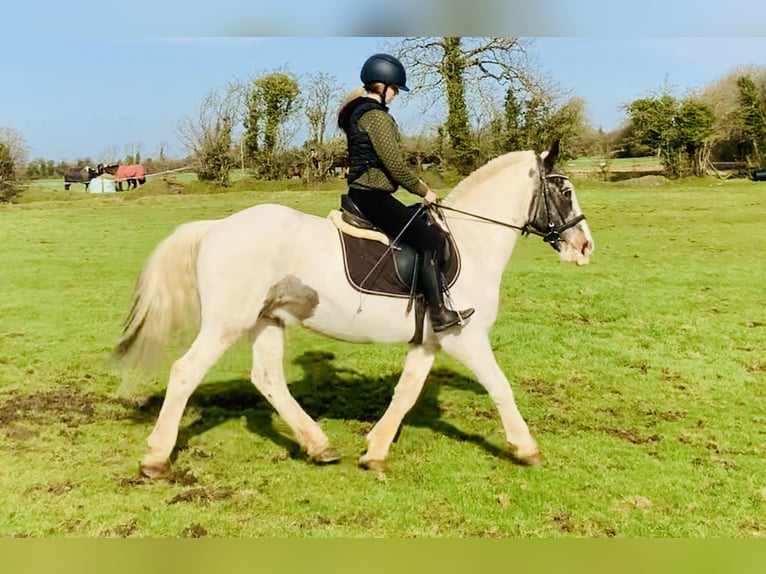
column 74, row 87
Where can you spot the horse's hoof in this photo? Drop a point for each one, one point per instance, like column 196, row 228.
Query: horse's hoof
column 534, row 459
column 529, row 456
column 155, row 470
column 378, row 466
column 327, row 456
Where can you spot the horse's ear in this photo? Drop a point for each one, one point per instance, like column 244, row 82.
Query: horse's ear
column 550, row 156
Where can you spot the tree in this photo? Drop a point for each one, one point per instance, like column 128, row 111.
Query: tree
column 272, row 100
column 9, row 185
column 695, row 130
column 208, row 135
column 449, row 67
column 722, row 97
column 132, row 154
column 534, row 122
column 751, row 119
column 653, row 120
column 678, row 132
column 322, row 96
column 513, row 137
column 16, row 147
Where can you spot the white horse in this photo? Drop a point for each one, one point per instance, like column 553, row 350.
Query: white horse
column 259, row 268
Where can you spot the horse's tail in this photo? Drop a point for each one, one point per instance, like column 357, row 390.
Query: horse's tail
column 165, row 298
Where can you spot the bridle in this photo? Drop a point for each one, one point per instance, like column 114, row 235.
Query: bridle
column 541, row 202
column 550, row 232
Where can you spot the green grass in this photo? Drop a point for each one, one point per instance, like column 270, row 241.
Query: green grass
column 641, row 376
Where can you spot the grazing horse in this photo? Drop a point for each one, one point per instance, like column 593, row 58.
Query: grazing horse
column 82, row 175
column 257, row 269
column 133, row 174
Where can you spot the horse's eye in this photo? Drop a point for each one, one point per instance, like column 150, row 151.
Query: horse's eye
column 567, row 192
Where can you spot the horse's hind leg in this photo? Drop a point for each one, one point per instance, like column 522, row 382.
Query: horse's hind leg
column 417, row 365
column 268, row 376
column 475, row 351
column 185, row 375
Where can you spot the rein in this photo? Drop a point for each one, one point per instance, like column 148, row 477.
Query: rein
column 487, row 219
column 552, row 235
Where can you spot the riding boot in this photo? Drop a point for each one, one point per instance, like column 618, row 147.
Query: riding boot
column 428, row 278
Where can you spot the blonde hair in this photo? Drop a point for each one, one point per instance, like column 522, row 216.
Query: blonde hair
column 357, row 93
column 375, row 87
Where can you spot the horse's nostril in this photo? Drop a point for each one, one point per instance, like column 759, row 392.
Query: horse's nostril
column 585, row 248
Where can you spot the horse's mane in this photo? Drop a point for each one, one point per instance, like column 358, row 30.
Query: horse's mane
column 485, row 172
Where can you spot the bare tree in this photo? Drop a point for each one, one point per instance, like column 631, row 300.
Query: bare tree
column 448, row 68
column 322, row 96
column 133, row 153
column 9, row 184
column 209, row 133
column 110, row 155
column 16, row 147
column 723, row 98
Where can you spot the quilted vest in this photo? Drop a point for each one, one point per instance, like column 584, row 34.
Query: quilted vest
column 361, row 154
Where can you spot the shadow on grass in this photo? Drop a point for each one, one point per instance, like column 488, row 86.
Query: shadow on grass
column 324, row 391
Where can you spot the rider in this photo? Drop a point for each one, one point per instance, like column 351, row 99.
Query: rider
column 377, row 169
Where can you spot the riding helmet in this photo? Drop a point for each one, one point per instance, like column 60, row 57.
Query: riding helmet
column 386, row 69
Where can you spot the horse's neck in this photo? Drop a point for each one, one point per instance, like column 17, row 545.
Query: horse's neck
column 504, row 195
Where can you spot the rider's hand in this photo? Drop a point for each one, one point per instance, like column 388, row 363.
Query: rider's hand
column 430, row 197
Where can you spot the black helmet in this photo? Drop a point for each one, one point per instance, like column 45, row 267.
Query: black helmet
column 386, row 69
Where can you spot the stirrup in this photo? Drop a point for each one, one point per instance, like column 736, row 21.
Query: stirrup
column 460, row 319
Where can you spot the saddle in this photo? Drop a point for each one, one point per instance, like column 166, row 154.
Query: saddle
column 377, row 266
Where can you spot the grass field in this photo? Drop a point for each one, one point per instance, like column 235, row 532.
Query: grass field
column 641, row 376
column 638, row 163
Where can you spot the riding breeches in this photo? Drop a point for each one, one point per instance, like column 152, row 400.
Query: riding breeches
column 389, row 214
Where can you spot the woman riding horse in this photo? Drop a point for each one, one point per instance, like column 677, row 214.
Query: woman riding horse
column 378, row 168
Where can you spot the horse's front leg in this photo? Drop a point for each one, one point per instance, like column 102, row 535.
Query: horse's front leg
column 417, row 365
column 475, row 351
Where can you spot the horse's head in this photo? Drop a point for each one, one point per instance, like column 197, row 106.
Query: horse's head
column 555, row 214
column 109, row 168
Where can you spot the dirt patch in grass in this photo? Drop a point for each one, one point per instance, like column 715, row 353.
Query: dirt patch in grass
column 132, row 481
column 122, row 530
column 61, row 487
column 630, row 435
column 202, row 494
column 669, row 416
column 194, row 531
column 538, row 387
column 64, row 405
column 182, row 476
column 563, row 521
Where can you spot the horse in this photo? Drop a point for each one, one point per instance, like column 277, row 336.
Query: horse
column 258, row 269
column 133, row 174
column 82, row 175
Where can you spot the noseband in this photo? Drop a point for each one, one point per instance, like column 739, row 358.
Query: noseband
column 550, row 232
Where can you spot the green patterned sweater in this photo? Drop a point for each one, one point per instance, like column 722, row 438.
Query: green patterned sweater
column 385, row 138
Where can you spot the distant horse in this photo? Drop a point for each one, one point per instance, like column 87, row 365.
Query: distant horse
column 133, row 174
column 82, row 175
column 269, row 264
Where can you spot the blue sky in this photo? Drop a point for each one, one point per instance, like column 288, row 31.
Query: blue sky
column 79, row 89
